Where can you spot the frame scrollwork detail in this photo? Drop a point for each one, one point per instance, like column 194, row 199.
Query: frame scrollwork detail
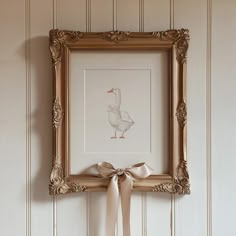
column 180, row 38
column 180, row 184
column 115, row 36
column 59, row 186
column 58, row 39
column 181, row 113
column 57, row 113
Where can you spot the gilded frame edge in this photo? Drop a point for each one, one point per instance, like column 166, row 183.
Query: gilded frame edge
column 61, row 42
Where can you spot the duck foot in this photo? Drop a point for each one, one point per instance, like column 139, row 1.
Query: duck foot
column 122, row 136
column 113, row 137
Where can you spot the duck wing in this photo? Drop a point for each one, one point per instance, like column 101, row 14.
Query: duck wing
column 124, row 125
column 125, row 116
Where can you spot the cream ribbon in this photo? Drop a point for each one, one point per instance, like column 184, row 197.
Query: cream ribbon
column 124, row 179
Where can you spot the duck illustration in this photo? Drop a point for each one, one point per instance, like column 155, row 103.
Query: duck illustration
column 119, row 120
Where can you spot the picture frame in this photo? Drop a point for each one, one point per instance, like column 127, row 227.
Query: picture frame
column 63, row 45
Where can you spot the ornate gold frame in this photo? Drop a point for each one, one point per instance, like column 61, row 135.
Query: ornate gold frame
column 62, row 42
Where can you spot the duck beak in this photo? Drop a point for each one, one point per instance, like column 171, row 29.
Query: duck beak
column 110, row 91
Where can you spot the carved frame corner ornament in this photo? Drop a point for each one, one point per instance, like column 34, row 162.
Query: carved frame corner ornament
column 181, row 114
column 180, row 38
column 62, row 44
column 182, row 45
column 58, row 185
column 179, row 184
column 57, row 41
column 57, row 113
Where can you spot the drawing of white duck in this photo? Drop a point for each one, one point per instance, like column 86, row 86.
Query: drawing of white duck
column 119, row 120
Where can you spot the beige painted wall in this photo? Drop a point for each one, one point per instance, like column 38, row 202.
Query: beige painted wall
column 26, row 101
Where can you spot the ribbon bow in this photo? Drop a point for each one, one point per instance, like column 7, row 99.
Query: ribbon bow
column 125, row 178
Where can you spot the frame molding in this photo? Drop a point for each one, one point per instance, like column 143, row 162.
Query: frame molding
column 62, row 42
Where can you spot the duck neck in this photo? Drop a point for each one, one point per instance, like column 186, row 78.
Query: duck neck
column 118, row 98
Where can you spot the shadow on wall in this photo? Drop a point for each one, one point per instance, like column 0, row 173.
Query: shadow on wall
column 40, row 102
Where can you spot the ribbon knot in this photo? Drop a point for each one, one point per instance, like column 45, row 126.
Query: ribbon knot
column 125, row 177
column 120, row 171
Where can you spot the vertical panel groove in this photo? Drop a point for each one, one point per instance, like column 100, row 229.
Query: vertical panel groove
column 54, row 199
column 54, row 220
column 88, row 197
column 88, row 214
column 208, row 118
column 144, row 195
column 114, row 15
column 28, row 117
column 141, row 15
column 172, row 214
column 54, row 14
column 172, row 5
column 144, row 214
column 88, row 15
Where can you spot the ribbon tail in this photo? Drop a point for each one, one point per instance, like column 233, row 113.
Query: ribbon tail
column 126, row 178
column 125, row 192
column 112, row 206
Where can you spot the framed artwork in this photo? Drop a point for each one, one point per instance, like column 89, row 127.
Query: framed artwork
column 119, row 98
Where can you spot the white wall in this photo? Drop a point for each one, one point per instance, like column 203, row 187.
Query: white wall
column 26, row 133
